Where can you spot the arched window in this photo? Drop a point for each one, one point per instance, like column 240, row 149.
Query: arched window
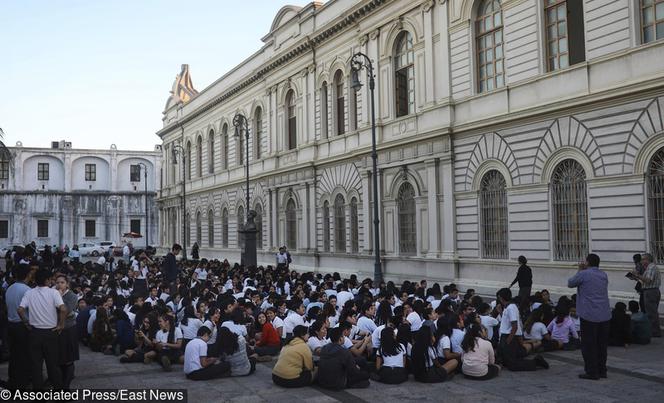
column 259, row 226
column 188, row 162
column 199, row 156
column 211, row 152
column 187, row 227
column 570, row 211
column 407, row 229
column 199, row 228
column 224, row 146
column 489, row 34
column 352, row 109
column 258, row 132
column 656, row 204
column 565, row 44
column 211, row 229
column 493, row 216
column 291, row 225
column 240, row 226
column 326, row 226
column 354, row 227
column 291, row 125
column 652, row 20
column 224, row 228
column 323, row 111
column 340, row 106
column 339, row 223
column 404, row 80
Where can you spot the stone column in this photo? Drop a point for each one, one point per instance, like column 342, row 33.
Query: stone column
column 432, row 201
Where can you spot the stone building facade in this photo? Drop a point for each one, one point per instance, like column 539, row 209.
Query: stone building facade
column 64, row 196
column 504, row 128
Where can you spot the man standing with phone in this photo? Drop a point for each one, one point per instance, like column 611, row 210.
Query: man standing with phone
column 592, row 305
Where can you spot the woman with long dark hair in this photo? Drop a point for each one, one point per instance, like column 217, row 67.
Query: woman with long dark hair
column 102, row 334
column 391, row 359
column 478, row 357
column 143, row 337
column 426, row 367
column 269, row 342
column 189, row 325
column 234, row 347
column 384, row 313
column 168, row 342
column 295, row 366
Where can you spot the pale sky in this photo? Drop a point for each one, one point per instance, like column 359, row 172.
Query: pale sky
column 98, row 72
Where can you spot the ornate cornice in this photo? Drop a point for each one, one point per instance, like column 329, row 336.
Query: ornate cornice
column 302, row 47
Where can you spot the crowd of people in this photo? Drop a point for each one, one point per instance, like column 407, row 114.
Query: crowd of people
column 218, row 319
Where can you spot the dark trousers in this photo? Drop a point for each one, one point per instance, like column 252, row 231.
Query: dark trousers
column 651, row 297
column 219, row 370
column 512, row 355
column 594, row 342
column 19, row 359
column 494, row 370
column 524, row 293
column 267, row 350
column 305, row 379
column 392, row 375
column 44, row 348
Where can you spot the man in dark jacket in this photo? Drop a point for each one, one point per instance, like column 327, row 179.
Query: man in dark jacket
column 169, row 268
column 524, row 276
column 337, row 368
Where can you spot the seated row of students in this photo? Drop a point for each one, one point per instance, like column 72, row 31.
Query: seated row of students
column 632, row 328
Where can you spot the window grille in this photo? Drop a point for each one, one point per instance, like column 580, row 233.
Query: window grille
column 224, row 147
column 655, row 181
column 224, row 228
column 570, row 211
column 489, row 33
column 404, row 80
column 90, row 172
column 493, row 215
column 199, row 157
column 354, row 227
column 291, row 225
column 134, row 173
column 210, row 228
column 42, row 171
column 407, row 227
column 4, row 170
column 340, row 224
column 326, row 226
column 211, row 152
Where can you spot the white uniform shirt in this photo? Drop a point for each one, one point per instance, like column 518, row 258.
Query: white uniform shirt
column 42, row 304
column 511, row 314
column 195, row 349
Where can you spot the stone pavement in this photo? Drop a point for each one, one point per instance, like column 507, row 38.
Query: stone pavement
column 636, row 372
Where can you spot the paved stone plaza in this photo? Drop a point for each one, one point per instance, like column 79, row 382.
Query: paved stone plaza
column 635, row 373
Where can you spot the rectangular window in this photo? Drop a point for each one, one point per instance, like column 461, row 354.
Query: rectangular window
column 42, row 228
column 135, row 226
column 90, row 172
column 42, row 171
column 135, row 173
column 652, row 20
column 564, row 33
column 4, row 170
column 90, row 228
column 4, row 229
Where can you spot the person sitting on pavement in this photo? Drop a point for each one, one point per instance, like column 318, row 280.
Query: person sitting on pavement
column 336, row 368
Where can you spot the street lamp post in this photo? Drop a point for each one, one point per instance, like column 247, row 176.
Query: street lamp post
column 147, row 215
column 361, row 61
column 249, row 230
column 179, row 150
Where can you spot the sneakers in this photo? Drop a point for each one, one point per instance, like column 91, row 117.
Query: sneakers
column 124, row 358
column 541, row 362
column 166, row 363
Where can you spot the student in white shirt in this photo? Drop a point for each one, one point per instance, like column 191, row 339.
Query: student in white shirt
column 391, row 359
column 211, row 324
column 535, row 332
column 236, row 324
column 343, row 295
column 366, row 323
column 295, row 317
column 190, row 325
column 47, row 313
column 201, row 274
column 168, row 343
column 277, row 322
column 488, row 321
column 197, row 365
column 317, row 338
column 444, row 329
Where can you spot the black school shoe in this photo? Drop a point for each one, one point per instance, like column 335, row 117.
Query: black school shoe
column 587, row 376
column 541, row 362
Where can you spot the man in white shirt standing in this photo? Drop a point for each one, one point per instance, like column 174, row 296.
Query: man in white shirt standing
column 46, row 321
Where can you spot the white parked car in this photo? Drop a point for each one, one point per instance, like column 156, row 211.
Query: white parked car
column 91, row 249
